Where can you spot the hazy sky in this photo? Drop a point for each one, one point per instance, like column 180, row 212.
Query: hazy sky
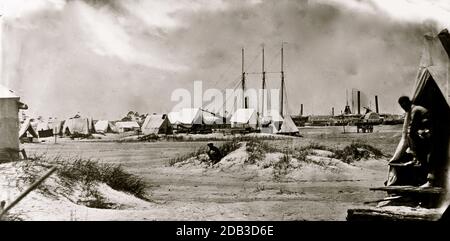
column 103, row 58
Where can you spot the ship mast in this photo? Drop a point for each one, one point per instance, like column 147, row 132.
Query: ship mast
column 282, row 83
column 263, row 83
column 244, row 102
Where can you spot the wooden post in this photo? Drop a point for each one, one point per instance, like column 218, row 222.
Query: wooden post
column 25, row 193
column 2, row 206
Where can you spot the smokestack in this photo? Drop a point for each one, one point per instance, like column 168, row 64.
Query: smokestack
column 376, row 104
column 359, row 102
column 301, row 109
column 332, row 111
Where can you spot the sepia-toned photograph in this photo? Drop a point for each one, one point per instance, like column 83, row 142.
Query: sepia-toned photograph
column 224, row 110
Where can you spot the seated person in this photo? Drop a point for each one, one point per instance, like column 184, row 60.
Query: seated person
column 214, row 153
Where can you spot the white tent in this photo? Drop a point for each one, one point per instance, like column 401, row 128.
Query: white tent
column 210, row 119
column 124, row 126
column 26, row 130
column 56, row 126
column 42, row 126
column 244, row 118
column 104, row 126
column 271, row 122
column 156, row 124
column 288, row 126
column 77, row 125
column 44, row 130
column 174, row 117
column 190, row 116
column 431, row 92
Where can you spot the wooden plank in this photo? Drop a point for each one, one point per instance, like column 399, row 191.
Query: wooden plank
column 405, row 164
column 383, row 199
column 410, row 189
column 380, row 214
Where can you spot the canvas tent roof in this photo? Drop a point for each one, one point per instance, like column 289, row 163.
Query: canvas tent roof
column 103, row 126
column 435, row 62
column 288, row 126
column 210, row 119
column 77, row 125
column 155, row 124
column 127, row 124
column 430, row 91
column 186, row 116
column 190, row 116
column 55, row 125
column 174, row 117
column 43, row 125
column 244, row 116
column 26, row 127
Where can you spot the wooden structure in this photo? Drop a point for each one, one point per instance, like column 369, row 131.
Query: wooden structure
column 405, row 203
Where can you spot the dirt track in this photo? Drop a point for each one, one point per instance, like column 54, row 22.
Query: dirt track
column 211, row 194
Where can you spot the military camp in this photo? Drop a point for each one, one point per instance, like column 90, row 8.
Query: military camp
column 258, row 110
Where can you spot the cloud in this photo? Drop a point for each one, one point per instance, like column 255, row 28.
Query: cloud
column 161, row 13
column 105, row 35
column 416, row 11
column 21, row 8
column 107, row 57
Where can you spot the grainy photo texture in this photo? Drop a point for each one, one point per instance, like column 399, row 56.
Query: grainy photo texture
column 252, row 110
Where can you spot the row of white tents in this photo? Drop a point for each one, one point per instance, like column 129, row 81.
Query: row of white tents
column 153, row 124
column 272, row 123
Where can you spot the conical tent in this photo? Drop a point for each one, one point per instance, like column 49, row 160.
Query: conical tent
column 288, row 126
column 26, row 129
